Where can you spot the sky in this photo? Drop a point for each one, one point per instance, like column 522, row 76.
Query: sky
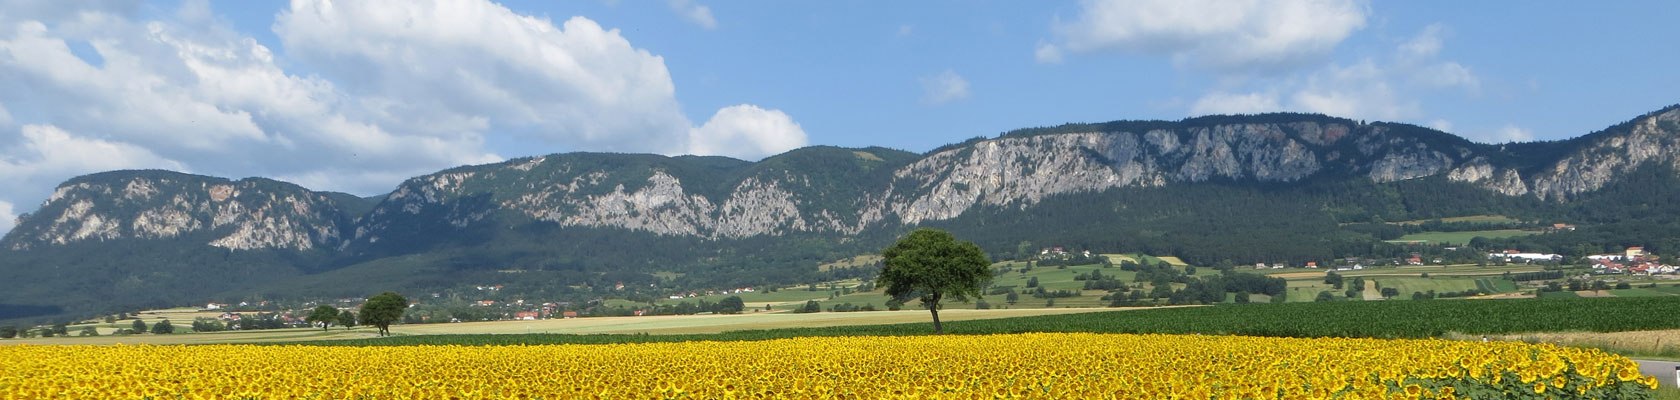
column 356, row 96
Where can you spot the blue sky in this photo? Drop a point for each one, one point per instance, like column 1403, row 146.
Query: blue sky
column 356, row 96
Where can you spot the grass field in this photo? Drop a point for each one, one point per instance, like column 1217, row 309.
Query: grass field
column 1639, row 292
column 866, row 260
column 657, row 325
column 1663, row 344
column 1379, row 319
column 181, row 337
column 1461, row 238
column 699, row 324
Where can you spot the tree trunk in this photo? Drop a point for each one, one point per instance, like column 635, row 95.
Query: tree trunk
column 937, row 329
column 934, row 308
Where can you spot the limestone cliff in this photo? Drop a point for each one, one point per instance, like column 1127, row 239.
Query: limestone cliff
column 238, row 215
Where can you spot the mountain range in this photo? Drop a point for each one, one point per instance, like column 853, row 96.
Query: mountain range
column 1246, row 188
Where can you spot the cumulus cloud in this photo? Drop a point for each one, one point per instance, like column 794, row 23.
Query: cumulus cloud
column 1510, row 133
column 944, row 87
column 485, row 67
column 201, row 95
column 1371, row 88
column 1418, row 56
column 1235, row 103
column 438, row 66
column 44, row 155
column 1223, row 35
column 49, row 148
column 694, row 12
column 1441, row 125
column 394, row 89
column 746, row 131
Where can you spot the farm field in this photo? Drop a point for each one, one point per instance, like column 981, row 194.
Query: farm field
column 1461, row 238
column 1640, row 292
column 697, row 324
column 1410, row 270
column 1374, row 319
column 224, row 337
column 1654, row 344
column 1051, row 278
column 1045, row 365
column 658, row 325
column 1408, row 285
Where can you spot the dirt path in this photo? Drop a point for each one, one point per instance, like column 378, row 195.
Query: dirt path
column 1371, row 291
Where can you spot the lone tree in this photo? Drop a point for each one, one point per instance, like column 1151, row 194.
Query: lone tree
column 931, row 265
column 731, row 305
column 382, row 310
column 163, row 328
column 324, row 314
column 347, row 319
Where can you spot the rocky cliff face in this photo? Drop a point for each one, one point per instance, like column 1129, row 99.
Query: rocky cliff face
column 838, row 191
column 239, row 215
column 1591, row 161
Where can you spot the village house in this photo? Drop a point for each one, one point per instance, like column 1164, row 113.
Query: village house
column 1514, row 255
column 525, row 315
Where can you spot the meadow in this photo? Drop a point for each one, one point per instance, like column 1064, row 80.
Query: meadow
column 1462, row 238
column 1373, row 319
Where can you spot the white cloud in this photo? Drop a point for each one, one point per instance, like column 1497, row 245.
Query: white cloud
column 1513, row 133
column 1441, row 125
column 746, row 131
column 395, row 89
column 1426, row 44
column 1418, row 57
column 694, row 12
column 1224, row 35
column 47, row 147
column 1048, row 53
column 439, row 66
column 1235, row 103
column 1361, row 91
column 8, row 217
column 485, row 67
column 906, row 30
column 45, row 155
column 1375, row 89
column 944, row 87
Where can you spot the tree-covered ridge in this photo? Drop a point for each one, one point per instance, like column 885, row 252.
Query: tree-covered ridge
column 1305, row 188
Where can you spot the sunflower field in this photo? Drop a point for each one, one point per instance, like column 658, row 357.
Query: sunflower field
column 1037, row 365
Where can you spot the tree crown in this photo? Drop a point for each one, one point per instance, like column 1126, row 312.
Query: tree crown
column 931, row 264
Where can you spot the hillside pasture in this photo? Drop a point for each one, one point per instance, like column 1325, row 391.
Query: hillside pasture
column 1461, row 238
